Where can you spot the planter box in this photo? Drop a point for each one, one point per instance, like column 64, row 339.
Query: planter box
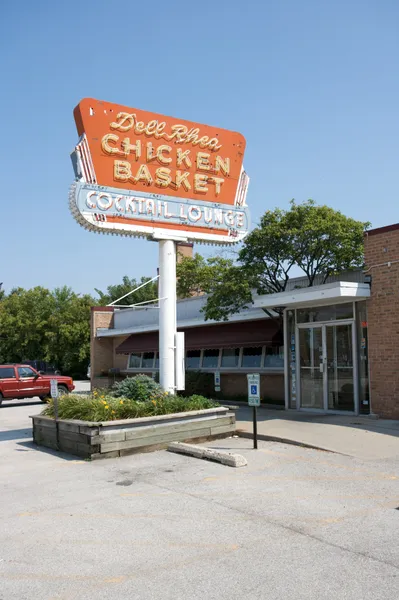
column 118, row 438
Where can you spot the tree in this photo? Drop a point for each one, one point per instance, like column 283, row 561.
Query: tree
column 316, row 239
column 114, row 292
column 53, row 326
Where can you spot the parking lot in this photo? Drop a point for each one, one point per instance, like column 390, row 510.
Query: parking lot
column 295, row 523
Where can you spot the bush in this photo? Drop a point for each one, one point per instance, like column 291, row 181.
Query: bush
column 138, row 388
column 103, row 407
column 198, row 382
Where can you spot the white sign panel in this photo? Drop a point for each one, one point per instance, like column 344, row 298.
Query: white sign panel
column 217, row 381
column 253, row 389
column 54, row 388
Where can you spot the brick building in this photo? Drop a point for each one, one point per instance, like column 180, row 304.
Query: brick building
column 335, row 349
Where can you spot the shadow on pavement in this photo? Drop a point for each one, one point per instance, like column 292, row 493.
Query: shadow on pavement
column 16, row 404
column 61, row 455
column 382, row 426
column 15, row 434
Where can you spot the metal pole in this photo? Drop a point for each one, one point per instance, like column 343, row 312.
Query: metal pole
column 167, row 314
column 255, row 423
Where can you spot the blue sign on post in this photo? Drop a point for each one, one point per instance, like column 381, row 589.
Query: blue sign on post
column 253, row 389
column 254, row 401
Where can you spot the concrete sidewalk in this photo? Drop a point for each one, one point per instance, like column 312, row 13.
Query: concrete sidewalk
column 361, row 437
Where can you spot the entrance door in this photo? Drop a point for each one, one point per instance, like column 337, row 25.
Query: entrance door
column 326, row 367
column 340, row 372
column 311, row 367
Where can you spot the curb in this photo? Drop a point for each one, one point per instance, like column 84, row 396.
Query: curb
column 225, row 458
column 273, row 438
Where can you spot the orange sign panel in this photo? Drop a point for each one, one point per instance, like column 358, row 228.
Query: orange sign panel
column 142, row 151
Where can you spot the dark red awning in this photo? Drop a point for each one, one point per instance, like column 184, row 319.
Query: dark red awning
column 226, row 335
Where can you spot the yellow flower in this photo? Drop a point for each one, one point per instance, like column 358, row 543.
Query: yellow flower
column 154, row 403
column 94, row 393
column 121, row 402
column 106, row 406
column 113, row 412
column 102, row 396
column 104, row 401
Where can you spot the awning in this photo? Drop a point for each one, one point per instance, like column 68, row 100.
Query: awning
column 226, row 335
column 328, row 293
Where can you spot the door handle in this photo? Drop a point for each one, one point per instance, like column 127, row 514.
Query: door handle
column 321, row 367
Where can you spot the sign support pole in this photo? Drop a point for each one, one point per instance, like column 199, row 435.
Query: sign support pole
column 255, row 423
column 167, row 314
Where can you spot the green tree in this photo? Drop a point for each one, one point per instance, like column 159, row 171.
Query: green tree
column 53, row 326
column 318, row 240
column 67, row 339
column 148, row 292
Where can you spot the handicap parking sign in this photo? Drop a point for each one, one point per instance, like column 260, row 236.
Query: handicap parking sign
column 254, row 390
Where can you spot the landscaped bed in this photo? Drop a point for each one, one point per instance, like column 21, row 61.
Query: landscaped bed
column 137, row 415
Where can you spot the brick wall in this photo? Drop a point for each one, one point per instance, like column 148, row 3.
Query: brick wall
column 101, row 349
column 381, row 254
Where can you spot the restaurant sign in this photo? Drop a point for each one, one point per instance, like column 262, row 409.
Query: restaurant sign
column 142, row 174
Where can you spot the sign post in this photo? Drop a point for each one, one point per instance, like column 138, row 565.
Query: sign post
column 254, row 401
column 160, row 178
column 54, row 394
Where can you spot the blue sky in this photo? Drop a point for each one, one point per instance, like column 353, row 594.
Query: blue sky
column 313, row 86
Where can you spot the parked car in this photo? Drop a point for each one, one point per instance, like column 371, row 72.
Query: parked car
column 23, row 381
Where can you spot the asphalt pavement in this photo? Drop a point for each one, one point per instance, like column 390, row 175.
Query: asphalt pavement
column 294, row 524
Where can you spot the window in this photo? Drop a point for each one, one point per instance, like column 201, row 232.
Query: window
column 193, row 359
column 25, row 372
column 230, row 357
column 7, row 373
column 210, row 359
column 134, row 361
column 157, row 361
column 274, row 357
column 325, row 313
column 148, row 360
column 251, row 357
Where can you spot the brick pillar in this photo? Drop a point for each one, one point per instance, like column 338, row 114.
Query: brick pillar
column 101, row 349
column 184, row 250
column 382, row 263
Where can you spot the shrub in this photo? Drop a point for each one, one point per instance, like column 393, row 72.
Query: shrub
column 198, row 382
column 139, row 388
column 103, row 407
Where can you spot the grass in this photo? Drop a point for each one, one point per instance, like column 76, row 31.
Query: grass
column 101, row 406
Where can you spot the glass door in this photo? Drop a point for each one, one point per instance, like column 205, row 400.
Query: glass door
column 326, row 367
column 311, row 372
column 340, row 372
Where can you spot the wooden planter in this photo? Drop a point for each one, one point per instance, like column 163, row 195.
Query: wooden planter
column 109, row 439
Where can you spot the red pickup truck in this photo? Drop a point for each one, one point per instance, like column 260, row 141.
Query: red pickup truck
column 22, row 381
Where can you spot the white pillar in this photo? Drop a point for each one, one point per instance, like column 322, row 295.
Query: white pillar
column 167, row 314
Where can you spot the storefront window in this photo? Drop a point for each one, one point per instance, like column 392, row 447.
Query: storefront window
column 157, row 361
column 193, row 359
column 230, row 357
column 134, row 361
column 274, row 357
column 251, row 357
column 210, row 359
column 291, row 349
column 148, row 360
column 362, row 342
column 325, row 313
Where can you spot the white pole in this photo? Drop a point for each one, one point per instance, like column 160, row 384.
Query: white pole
column 167, row 314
